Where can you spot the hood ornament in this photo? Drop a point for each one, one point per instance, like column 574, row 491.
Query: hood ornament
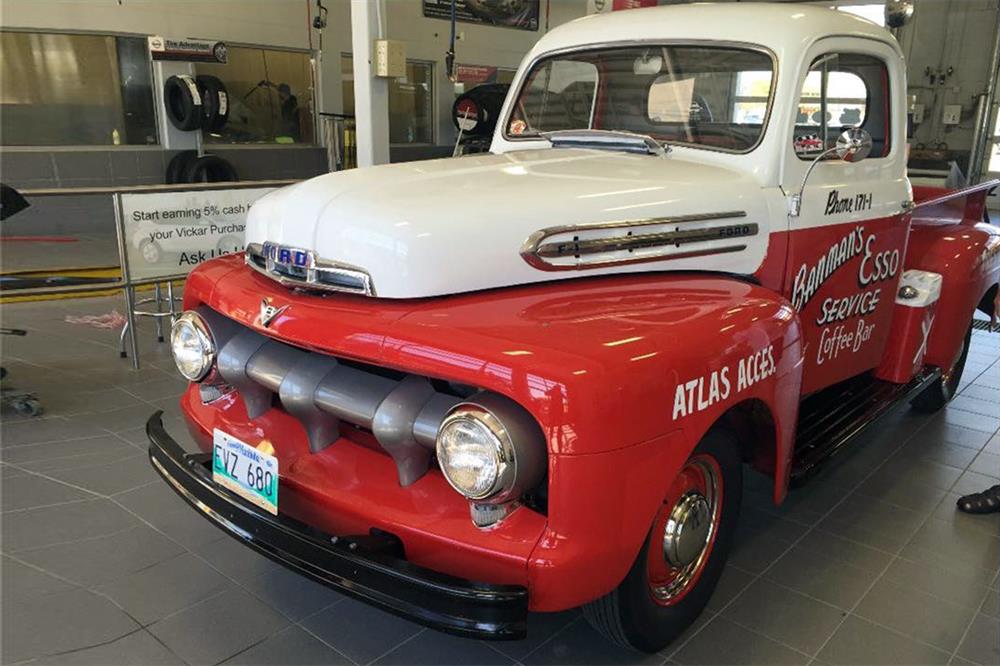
column 269, row 313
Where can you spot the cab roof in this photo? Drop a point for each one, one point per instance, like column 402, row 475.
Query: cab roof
column 784, row 28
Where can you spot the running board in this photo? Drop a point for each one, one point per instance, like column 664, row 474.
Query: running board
column 833, row 418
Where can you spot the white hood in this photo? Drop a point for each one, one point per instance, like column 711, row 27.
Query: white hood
column 454, row 225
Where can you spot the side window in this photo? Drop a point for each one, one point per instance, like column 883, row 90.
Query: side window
column 843, row 90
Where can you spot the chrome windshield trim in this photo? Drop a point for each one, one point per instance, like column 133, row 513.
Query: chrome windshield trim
column 630, row 142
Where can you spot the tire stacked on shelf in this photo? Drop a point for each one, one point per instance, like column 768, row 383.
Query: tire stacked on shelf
column 178, row 164
column 192, row 104
column 216, row 104
column 183, row 100
column 187, row 167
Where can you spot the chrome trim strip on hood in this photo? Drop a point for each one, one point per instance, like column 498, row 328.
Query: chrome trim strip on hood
column 538, row 254
column 643, row 241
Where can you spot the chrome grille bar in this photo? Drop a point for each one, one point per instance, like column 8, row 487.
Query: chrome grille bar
column 586, row 240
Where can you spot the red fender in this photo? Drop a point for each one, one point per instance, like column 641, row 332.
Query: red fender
column 949, row 237
column 625, row 375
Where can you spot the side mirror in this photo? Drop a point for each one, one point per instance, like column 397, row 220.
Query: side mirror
column 853, row 145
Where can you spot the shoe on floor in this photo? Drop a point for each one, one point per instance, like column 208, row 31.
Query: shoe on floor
column 987, row 501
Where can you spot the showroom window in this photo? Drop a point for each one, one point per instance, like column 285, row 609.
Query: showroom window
column 411, row 101
column 71, row 89
column 270, row 96
column 841, row 91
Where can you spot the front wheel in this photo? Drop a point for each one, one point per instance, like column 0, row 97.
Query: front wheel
column 677, row 568
column 944, row 388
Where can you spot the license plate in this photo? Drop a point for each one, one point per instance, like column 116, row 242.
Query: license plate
column 251, row 474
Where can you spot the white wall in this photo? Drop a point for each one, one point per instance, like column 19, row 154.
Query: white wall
column 277, row 22
column 282, row 23
column 286, row 23
column 949, row 33
column 942, row 34
column 427, row 39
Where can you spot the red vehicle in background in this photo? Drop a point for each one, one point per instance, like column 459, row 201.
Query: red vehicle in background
column 549, row 404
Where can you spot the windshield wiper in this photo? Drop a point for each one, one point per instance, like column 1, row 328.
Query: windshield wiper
column 629, row 142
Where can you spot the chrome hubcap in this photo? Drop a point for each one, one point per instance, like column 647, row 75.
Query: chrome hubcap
column 687, row 530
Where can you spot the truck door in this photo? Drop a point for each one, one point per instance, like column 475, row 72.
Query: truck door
column 846, row 245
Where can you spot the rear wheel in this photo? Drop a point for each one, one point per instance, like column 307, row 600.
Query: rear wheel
column 677, row 568
column 944, row 388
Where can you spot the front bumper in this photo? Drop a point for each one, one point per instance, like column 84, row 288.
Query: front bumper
column 370, row 568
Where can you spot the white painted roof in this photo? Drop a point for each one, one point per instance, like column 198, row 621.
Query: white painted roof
column 782, row 27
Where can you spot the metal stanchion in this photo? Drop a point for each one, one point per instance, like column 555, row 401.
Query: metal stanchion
column 170, row 296
column 133, row 337
column 159, row 320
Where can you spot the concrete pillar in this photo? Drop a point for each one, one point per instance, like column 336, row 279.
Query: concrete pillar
column 371, row 94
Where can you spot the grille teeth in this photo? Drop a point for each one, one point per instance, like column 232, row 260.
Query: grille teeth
column 403, row 414
column 298, row 395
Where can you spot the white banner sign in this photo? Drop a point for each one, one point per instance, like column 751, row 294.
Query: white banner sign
column 169, row 233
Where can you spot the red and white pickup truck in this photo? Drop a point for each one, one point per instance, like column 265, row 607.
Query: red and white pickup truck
column 468, row 388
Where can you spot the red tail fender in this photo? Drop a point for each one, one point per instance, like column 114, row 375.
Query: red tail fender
column 950, row 237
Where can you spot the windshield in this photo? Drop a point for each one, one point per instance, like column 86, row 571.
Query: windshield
column 707, row 96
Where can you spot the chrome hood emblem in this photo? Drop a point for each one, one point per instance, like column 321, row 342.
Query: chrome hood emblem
column 288, row 258
column 269, row 313
column 299, row 268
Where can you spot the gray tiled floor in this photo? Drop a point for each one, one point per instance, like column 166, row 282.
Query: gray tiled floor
column 103, row 564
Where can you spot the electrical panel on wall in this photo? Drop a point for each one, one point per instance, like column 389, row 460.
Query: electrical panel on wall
column 390, row 58
column 952, row 114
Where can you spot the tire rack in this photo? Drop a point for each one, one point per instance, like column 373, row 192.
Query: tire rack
column 126, row 282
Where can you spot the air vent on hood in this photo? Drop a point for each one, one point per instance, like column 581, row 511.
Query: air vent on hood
column 600, row 244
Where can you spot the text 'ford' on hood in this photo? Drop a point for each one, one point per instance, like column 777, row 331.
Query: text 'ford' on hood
column 454, row 225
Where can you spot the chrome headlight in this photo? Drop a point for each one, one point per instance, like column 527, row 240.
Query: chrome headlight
column 490, row 449
column 192, row 346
